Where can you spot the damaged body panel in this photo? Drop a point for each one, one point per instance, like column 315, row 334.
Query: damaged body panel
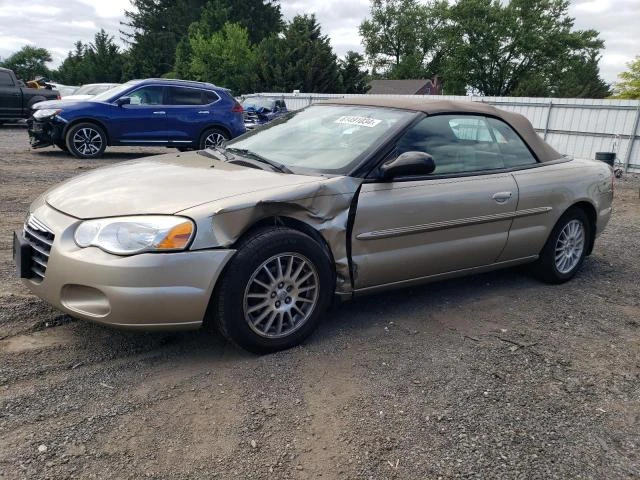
column 349, row 197
column 322, row 205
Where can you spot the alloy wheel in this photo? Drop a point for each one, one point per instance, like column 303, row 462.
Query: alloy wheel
column 87, row 141
column 569, row 246
column 214, row 139
column 281, row 295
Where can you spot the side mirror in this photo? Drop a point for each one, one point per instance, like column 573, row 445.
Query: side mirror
column 408, row 163
column 123, row 101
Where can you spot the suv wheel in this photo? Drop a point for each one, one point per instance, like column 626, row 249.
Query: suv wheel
column 274, row 290
column 212, row 137
column 86, row 140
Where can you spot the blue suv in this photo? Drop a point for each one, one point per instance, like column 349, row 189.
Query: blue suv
column 151, row 112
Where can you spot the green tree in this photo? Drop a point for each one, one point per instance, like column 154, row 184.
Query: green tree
column 577, row 77
column 520, row 46
column 301, row 58
column 353, row 77
column 259, row 17
column 270, row 65
column 405, row 38
column 153, row 29
column 629, row 84
column 182, row 67
column 581, row 79
column 100, row 61
column 225, row 58
column 104, row 58
column 28, row 62
column 73, row 70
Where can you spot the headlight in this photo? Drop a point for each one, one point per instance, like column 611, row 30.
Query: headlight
column 131, row 235
column 46, row 112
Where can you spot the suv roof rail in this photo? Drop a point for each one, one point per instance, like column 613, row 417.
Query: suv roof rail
column 176, row 80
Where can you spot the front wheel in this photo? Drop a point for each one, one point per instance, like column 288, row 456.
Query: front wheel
column 86, row 140
column 212, row 137
column 274, row 290
column 566, row 248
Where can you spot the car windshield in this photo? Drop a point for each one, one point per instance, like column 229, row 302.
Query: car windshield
column 113, row 93
column 258, row 103
column 64, row 90
column 94, row 89
column 323, row 138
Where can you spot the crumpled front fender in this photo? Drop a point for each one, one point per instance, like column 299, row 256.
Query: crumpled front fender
column 322, row 205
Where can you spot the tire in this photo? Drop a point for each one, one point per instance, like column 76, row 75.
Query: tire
column 212, row 136
column 553, row 268
column 284, row 321
column 93, row 148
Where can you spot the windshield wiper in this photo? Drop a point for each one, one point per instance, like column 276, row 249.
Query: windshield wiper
column 255, row 156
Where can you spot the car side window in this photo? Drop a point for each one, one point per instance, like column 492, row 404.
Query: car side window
column 151, row 95
column 513, row 149
column 457, row 143
column 210, row 97
column 186, row 96
column 5, row 79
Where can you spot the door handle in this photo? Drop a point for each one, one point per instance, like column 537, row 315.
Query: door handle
column 204, row 111
column 160, row 112
column 502, row 197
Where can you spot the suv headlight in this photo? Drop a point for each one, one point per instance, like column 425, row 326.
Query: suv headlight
column 46, row 113
column 136, row 234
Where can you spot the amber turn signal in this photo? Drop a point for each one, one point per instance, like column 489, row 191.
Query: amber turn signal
column 178, row 237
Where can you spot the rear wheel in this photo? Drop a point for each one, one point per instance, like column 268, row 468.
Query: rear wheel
column 86, row 140
column 274, row 290
column 564, row 252
column 213, row 137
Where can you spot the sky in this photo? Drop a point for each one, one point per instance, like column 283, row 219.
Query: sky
column 58, row 24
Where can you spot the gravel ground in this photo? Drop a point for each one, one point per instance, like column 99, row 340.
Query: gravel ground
column 492, row 376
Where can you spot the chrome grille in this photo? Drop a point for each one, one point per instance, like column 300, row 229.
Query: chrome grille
column 40, row 238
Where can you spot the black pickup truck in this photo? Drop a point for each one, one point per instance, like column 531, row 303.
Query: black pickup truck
column 16, row 99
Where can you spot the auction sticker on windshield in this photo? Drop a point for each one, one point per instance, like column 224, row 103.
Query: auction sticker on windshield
column 359, row 121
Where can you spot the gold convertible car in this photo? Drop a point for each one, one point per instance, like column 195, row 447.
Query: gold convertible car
column 343, row 198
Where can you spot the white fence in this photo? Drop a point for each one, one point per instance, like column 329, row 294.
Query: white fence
column 575, row 126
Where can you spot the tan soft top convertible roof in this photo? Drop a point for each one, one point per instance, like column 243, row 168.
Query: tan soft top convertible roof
column 542, row 150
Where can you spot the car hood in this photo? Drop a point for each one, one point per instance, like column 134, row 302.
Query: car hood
column 163, row 184
column 69, row 98
column 63, row 102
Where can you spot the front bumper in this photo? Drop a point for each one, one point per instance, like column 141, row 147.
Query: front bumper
column 44, row 133
column 148, row 291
